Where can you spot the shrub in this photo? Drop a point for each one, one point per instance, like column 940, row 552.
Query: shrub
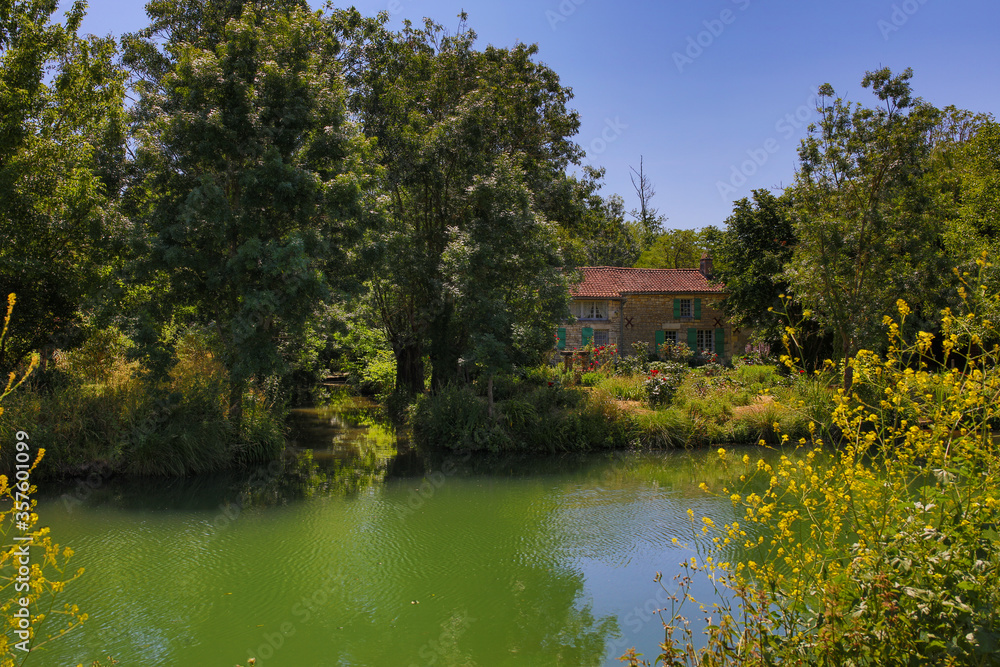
column 663, row 429
column 377, row 375
column 455, row 418
column 764, row 376
column 884, row 551
column 663, row 381
column 678, row 352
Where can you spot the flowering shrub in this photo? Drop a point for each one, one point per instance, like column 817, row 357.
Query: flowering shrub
column 713, row 369
column 706, row 357
column 603, row 357
column 663, row 381
column 882, row 551
column 675, row 351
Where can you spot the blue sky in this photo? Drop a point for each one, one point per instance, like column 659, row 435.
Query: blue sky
column 715, row 94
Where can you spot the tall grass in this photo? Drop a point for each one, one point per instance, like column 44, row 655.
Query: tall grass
column 95, row 407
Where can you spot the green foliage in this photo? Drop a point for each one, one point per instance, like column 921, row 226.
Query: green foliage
column 363, row 351
column 246, row 154
column 594, row 229
column 663, row 381
column 664, row 429
column 760, row 376
column 630, row 387
column 107, row 414
column 455, row 418
column 862, row 214
column 883, row 550
column 531, row 418
column 676, row 352
column 474, row 146
column 675, row 249
column 61, row 162
column 749, row 256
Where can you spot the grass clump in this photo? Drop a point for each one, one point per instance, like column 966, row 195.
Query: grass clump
column 94, row 407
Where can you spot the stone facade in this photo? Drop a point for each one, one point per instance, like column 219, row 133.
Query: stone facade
column 623, row 306
column 638, row 317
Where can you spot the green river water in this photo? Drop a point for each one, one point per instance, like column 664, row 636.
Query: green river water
column 369, row 557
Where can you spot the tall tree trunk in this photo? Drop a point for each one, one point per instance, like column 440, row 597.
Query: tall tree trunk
column 848, row 343
column 409, row 369
column 444, row 350
column 489, row 397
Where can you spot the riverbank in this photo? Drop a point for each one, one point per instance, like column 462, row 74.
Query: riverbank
column 650, row 406
column 96, row 410
column 110, row 419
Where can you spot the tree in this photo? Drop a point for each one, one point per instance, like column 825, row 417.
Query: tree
column 650, row 222
column 674, row 249
column 976, row 225
column 861, row 212
column 750, row 256
column 593, row 229
column 503, row 272
column 445, row 116
column 253, row 198
column 61, row 147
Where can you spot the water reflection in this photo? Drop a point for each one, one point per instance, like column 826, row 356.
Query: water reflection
column 350, row 553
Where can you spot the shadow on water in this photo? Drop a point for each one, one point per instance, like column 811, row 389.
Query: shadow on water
column 369, row 552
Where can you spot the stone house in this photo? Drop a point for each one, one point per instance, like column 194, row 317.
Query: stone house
column 616, row 305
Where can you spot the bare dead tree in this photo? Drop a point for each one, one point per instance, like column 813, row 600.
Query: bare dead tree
column 645, row 214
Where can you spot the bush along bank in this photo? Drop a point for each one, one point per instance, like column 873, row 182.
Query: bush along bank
column 881, row 550
column 657, row 402
column 94, row 409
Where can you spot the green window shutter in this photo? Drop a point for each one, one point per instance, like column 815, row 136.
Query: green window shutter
column 661, row 338
column 562, row 338
column 693, row 339
column 697, row 309
column 588, row 335
column 720, row 342
column 677, row 309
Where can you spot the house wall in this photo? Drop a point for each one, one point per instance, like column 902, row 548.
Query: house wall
column 653, row 312
column 574, row 331
column 640, row 316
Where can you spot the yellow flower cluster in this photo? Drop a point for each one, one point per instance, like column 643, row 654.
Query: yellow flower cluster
column 884, row 541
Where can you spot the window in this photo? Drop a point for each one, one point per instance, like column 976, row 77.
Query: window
column 670, row 337
column 686, row 310
column 705, row 340
column 590, row 310
column 600, row 337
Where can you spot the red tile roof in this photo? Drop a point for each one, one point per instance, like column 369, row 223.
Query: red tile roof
column 614, row 281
